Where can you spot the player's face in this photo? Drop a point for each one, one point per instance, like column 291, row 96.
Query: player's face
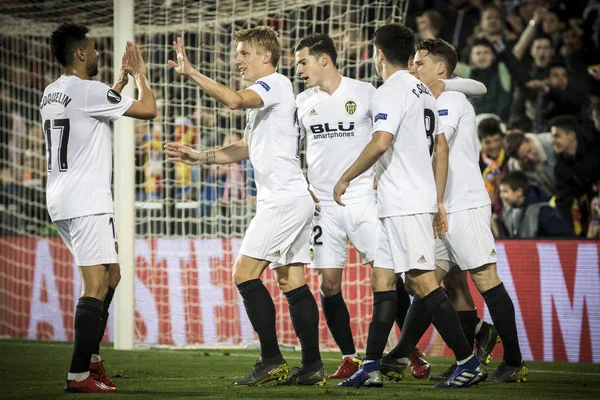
column 510, row 198
column 492, row 145
column 482, row 57
column 426, row 67
column 249, row 61
column 561, row 139
column 308, row 67
column 91, row 59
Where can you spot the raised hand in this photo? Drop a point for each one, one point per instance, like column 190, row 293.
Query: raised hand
column 182, row 66
column 178, row 152
column 133, row 60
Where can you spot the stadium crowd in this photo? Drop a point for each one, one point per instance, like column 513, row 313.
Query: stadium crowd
column 538, row 124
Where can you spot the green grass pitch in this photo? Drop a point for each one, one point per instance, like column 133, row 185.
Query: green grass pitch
column 37, row 370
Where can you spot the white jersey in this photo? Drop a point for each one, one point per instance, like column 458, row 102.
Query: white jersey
column 337, row 128
column 465, row 188
column 404, row 107
column 273, row 140
column 76, row 116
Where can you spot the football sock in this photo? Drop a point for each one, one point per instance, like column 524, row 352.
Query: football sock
column 305, row 318
column 502, row 312
column 261, row 313
column 416, row 323
column 338, row 320
column 384, row 313
column 88, row 320
column 107, row 301
column 82, row 376
column 403, row 303
column 468, row 322
column 447, row 323
column 478, row 327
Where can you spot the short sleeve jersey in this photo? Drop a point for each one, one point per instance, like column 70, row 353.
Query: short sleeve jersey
column 337, row 128
column 76, row 116
column 273, row 140
column 404, row 107
column 465, row 188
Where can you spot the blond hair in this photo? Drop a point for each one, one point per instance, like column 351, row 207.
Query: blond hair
column 263, row 37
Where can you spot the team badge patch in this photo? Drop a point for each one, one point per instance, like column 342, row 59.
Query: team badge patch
column 113, row 97
column 443, row 113
column 380, row 116
column 264, row 85
column 350, row 107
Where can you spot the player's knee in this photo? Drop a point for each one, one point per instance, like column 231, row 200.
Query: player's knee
column 330, row 288
column 114, row 275
column 485, row 277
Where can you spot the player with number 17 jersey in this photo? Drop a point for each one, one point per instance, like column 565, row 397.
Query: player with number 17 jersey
column 76, row 116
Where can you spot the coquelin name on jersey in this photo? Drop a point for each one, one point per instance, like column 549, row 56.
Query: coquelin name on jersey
column 55, row 97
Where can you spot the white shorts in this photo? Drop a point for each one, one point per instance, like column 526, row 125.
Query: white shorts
column 92, row 239
column 405, row 243
column 280, row 231
column 469, row 242
column 335, row 226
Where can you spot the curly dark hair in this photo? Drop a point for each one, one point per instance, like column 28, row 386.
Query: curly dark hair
column 65, row 39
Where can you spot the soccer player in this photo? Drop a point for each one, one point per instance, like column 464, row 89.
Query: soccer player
column 408, row 197
column 76, row 114
column 334, row 116
column 279, row 233
column 469, row 243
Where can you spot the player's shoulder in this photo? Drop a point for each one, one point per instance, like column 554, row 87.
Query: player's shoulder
column 358, row 85
column 452, row 97
column 275, row 79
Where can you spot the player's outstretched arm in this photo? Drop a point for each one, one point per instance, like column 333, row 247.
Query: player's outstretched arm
column 235, row 152
column 145, row 106
column 440, row 173
column 377, row 146
column 224, row 95
column 469, row 87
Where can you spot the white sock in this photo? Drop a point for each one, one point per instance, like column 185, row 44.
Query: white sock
column 96, row 358
column 461, row 362
column 78, row 377
column 478, row 327
column 353, row 355
column 403, row 360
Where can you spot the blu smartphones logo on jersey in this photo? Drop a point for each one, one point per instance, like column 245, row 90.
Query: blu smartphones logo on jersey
column 381, row 116
column 322, row 128
column 113, row 97
column 350, row 107
column 264, row 85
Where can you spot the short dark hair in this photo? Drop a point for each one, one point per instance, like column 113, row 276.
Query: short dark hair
column 489, row 127
column 442, row 50
column 556, row 64
column 515, row 180
column 482, row 42
column 489, row 7
column 542, row 36
column 66, row 39
column 567, row 123
column 396, row 42
column 520, row 122
column 512, row 144
column 318, row 44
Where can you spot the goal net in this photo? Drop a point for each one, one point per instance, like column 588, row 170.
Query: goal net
column 189, row 221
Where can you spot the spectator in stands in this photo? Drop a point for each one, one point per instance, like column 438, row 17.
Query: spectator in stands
column 555, row 96
column 430, row 25
column 525, row 98
column 577, row 171
column 553, row 26
column 492, row 28
column 492, row 159
column 526, row 213
column 461, row 19
column 533, row 154
column 572, row 52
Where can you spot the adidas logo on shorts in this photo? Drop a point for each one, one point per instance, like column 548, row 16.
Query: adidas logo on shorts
column 277, row 253
column 493, row 252
column 312, row 112
column 421, row 259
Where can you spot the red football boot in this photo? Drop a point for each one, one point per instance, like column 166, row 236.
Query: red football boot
column 99, row 373
column 419, row 367
column 348, row 367
column 88, row 385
